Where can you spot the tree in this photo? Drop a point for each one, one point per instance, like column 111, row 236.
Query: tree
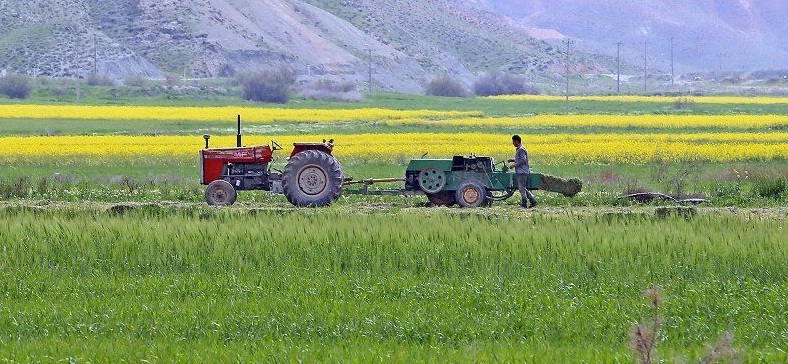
column 267, row 86
column 446, row 86
column 15, row 86
column 498, row 83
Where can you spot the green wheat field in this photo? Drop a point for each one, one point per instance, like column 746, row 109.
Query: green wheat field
column 191, row 284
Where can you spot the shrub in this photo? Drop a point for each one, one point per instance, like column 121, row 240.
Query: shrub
column 267, row 86
column 15, row 86
column 497, row 83
column 771, row 187
column 172, row 80
column 328, row 85
column 675, row 177
column 331, row 90
column 135, row 81
column 446, row 86
column 683, row 103
column 100, row 80
column 18, row 188
column 644, row 337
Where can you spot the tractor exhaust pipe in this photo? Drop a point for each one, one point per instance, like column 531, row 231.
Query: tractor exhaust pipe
column 238, row 136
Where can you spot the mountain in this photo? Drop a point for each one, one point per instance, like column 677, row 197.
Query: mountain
column 400, row 44
column 732, row 35
column 404, row 44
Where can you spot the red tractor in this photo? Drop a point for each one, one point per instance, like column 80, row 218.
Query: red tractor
column 311, row 177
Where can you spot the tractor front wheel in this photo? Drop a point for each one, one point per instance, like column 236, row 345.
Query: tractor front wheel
column 220, row 193
column 471, row 194
column 312, row 178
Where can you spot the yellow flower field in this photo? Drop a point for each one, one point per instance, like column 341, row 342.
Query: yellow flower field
column 544, row 149
column 661, row 99
column 617, row 121
column 224, row 114
column 387, row 116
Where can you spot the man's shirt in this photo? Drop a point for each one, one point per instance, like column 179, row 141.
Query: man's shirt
column 521, row 161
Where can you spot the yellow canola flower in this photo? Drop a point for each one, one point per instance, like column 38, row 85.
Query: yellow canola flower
column 659, row 99
column 555, row 149
column 614, row 121
column 225, row 113
column 390, row 117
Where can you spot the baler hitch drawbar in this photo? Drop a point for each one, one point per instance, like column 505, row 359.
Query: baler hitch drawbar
column 365, row 183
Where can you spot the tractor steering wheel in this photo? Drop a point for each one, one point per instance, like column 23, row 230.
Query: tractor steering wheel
column 275, row 145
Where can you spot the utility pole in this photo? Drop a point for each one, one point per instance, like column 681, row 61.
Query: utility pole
column 618, row 67
column 672, row 74
column 95, row 55
column 369, row 64
column 79, row 82
column 645, row 66
column 698, row 53
column 720, row 75
column 566, row 103
column 719, row 61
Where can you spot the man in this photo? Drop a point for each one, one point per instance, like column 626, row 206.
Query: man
column 523, row 169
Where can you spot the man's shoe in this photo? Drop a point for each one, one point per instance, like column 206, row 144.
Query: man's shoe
column 533, row 204
column 524, row 204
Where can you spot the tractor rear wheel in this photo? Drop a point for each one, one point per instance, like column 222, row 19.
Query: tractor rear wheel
column 471, row 194
column 312, row 178
column 442, row 198
column 220, row 193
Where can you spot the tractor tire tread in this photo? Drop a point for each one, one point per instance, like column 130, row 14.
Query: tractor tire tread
column 335, row 178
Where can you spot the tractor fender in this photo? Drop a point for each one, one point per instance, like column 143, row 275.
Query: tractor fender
column 327, row 148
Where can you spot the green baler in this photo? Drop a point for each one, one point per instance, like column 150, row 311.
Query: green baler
column 469, row 181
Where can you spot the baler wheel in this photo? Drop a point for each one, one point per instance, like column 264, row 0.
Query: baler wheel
column 432, row 180
column 220, row 193
column 471, row 194
column 443, row 198
column 312, row 178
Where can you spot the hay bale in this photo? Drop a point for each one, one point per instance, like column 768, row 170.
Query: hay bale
column 568, row 188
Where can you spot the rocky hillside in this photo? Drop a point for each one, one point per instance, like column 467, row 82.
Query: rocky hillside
column 404, row 43
column 732, row 35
